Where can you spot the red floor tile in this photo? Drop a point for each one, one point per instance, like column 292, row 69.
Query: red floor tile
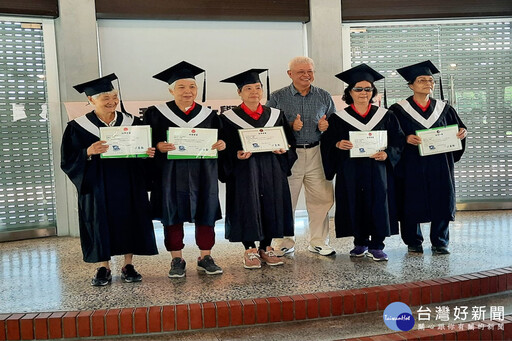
column 84, row 323
column 209, row 315
column 324, row 304
column 98, row 322
column 55, row 325
column 182, row 317
column 360, row 300
column 311, row 306
column 155, row 319
column 236, row 313
column 371, row 298
column 249, row 312
column 140, row 320
column 168, row 318
column 69, row 328
column 196, row 316
column 27, row 326
column 275, row 309
column 112, row 322
column 349, row 303
column 336, row 303
column 299, row 307
column 13, row 326
column 262, row 310
column 126, row 321
column 287, row 308
column 223, row 319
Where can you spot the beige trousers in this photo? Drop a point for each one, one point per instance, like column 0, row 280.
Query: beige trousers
column 318, row 192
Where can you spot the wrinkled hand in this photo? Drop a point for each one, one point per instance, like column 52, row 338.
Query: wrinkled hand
column 413, row 139
column 379, row 156
column 97, row 147
column 297, row 123
column 462, row 133
column 219, row 145
column 151, row 151
column 323, row 124
column 279, row 151
column 344, row 145
column 164, row 147
column 243, row 155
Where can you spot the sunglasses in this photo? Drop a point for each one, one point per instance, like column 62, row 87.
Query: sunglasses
column 368, row 89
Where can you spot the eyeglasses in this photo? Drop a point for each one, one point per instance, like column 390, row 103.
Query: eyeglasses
column 425, row 81
column 358, row 89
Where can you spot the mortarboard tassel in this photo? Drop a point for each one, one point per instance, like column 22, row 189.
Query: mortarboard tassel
column 385, row 95
column 204, row 87
column 121, row 98
column 441, row 88
column 268, row 86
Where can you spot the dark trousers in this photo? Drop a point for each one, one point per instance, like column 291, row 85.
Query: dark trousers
column 373, row 242
column 439, row 233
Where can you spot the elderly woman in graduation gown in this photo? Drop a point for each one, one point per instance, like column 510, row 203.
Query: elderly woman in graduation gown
column 185, row 190
column 113, row 207
column 258, row 201
column 364, row 187
column 426, row 183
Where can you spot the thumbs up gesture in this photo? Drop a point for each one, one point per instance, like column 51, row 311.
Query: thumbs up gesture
column 323, row 124
column 297, row 123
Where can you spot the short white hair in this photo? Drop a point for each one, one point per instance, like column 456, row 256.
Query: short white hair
column 300, row 60
column 173, row 84
column 112, row 92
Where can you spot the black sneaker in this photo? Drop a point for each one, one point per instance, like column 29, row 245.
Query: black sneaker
column 129, row 275
column 103, row 277
column 177, row 268
column 440, row 250
column 415, row 248
column 208, row 265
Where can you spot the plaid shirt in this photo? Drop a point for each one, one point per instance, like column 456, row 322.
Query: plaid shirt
column 311, row 108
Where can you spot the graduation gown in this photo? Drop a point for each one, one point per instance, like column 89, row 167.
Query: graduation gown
column 183, row 190
column 426, row 184
column 113, row 206
column 364, row 189
column 258, row 200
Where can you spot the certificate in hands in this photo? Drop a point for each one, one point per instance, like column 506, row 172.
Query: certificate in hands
column 192, row 143
column 257, row 140
column 367, row 143
column 126, row 141
column 439, row 140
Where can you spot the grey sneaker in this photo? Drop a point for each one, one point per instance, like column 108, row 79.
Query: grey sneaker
column 103, row 277
column 377, row 255
column 208, row 265
column 359, row 251
column 130, row 275
column 177, row 268
column 284, row 251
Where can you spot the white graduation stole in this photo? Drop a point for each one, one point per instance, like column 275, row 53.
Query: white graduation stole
column 84, row 122
column 171, row 116
column 233, row 117
column 377, row 117
column 427, row 123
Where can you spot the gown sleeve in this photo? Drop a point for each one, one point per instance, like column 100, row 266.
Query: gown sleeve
column 331, row 155
column 396, row 139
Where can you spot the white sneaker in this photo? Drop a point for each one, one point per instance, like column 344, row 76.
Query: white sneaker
column 283, row 251
column 324, row 250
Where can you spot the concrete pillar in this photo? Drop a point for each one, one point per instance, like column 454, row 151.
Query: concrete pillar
column 324, row 43
column 77, row 54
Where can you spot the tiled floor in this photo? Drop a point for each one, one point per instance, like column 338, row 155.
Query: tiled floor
column 49, row 274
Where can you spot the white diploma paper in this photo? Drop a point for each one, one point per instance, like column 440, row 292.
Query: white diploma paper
column 257, row 140
column 192, row 143
column 126, row 141
column 367, row 143
column 439, row 140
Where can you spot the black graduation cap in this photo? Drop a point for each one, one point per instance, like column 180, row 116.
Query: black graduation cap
column 426, row 68
column 250, row 76
column 409, row 73
column 99, row 85
column 96, row 86
column 361, row 72
column 179, row 71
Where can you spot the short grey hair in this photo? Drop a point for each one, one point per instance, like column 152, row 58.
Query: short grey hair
column 173, row 84
column 300, row 60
